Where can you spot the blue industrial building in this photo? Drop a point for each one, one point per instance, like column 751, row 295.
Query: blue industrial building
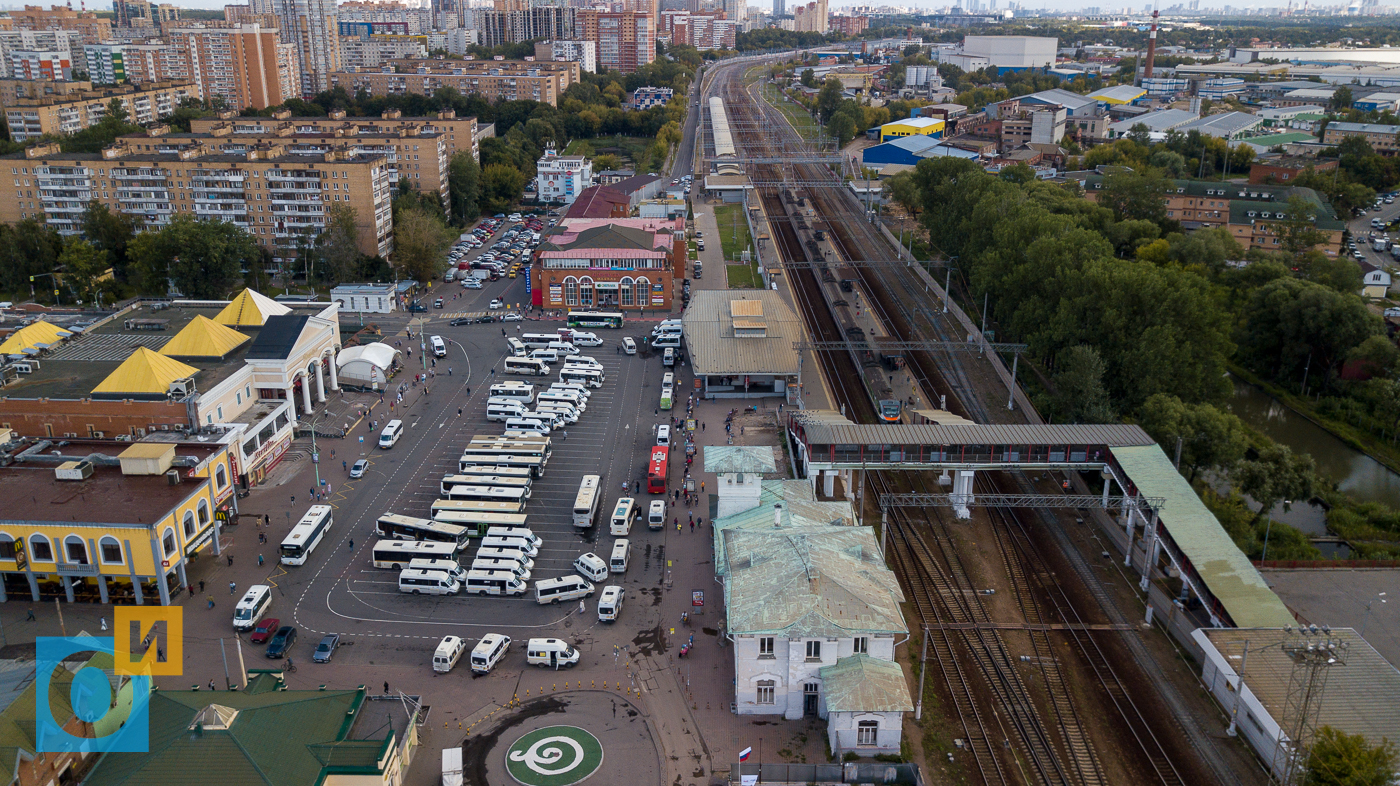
column 910, row 150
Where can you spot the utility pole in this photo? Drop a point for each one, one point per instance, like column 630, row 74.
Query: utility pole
column 923, row 669
column 1239, row 692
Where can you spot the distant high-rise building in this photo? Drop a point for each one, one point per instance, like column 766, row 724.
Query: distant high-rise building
column 512, row 27
column 311, row 25
column 779, row 8
column 585, row 53
column 626, row 40
column 90, row 29
column 237, row 64
column 735, row 10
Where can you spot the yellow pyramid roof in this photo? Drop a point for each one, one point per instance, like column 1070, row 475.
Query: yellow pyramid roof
column 145, row 372
column 250, row 309
column 203, row 338
column 30, row 336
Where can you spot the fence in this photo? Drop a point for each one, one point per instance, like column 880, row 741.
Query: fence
column 851, row 772
column 1326, row 564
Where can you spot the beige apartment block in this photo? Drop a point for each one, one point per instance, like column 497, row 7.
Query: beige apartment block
column 238, row 63
column 460, row 133
column 509, row 79
column 30, row 113
column 282, row 199
column 90, row 28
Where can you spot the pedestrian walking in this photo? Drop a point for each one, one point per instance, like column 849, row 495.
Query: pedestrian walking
column 230, row 560
column 103, row 622
column 566, row 434
column 30, row 616
column 386, row 686
column 449, row 373
column 211, row 685
column 191, row 589
column 267, row 520
column 211, row 601
column 352, row 544
column 692, row 525
column 702, row 427
column 344, row 466
column 260, row 560
column 232, row 586
column 201, row 585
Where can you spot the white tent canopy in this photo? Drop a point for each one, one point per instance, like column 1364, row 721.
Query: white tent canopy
column 367, row 365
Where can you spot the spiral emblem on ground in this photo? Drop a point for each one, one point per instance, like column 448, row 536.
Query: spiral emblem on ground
column 554, row 756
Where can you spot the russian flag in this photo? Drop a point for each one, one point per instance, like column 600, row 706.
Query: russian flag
column 744, row 754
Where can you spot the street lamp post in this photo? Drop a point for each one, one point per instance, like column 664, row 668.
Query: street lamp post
column 316, row 454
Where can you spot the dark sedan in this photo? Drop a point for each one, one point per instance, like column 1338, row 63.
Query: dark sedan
column 282, row 642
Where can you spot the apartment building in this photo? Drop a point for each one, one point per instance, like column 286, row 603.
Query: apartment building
column 89, row 28
column 105, row 63
column 68, row 112
column 14, row 41
column 280, row 198
column 810, row 18
column 647, row 97
column 626, row 40
column 585, row 53
column 413, row 155
column 404, row 19
column 1382, row 138
column 460, row 133
column 499, row 27
column 237, row 62
column 849, row 25
column 55, row 65
column 509, row 79
column 311, row 25
column 139, row 13
column 563, row 178
column 1251, row 212
column 704, row 31
column 372, row 51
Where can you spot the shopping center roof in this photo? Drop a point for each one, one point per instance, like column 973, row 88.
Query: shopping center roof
column 204, row 338
column 250, row 308
column 144, row 373
column 30, row 338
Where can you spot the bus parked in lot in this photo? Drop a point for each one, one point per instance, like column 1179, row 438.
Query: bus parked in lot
column 587, row 319
column 658, row 469
column 478, row 521
column 306, row 535
column 393, row 554
column 582, row 375
column 393, row 525
column 508, row 472
column 503, row 459
column 586, row 502
column 530, row 367
column 491, row 494
column 538, row 340
column 450, row 482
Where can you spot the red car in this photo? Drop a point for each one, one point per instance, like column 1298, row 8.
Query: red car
column 264, row 630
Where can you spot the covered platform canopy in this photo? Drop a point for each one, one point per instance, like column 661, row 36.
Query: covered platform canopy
column 250, row 309
column 33, row 339
column 829, row 445
column 204, row 338
column 144, row 374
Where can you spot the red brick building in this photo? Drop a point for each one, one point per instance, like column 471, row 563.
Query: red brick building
column 609, row 264
column 1284, row 171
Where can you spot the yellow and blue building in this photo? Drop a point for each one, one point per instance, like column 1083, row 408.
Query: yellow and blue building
column 912, row 126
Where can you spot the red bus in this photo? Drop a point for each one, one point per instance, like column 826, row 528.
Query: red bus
column 658, row 469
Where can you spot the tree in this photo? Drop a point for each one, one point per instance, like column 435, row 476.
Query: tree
column 1300, row 233
column 111, row 232
column 420, row 244
column 1209, row 438
column 1276, row 474
column 1376, row 356
column 202, row 259
column 464, row 188
column 1341, row 99
column 337, row 254
column 1079, row 392
column 829, row 99
column 809, row 78
column 1340, row 759
column 83, row 264
column 1136, row 195
column 27, row 250
column 1293, row 325
column 501, row 187
column 606, row 162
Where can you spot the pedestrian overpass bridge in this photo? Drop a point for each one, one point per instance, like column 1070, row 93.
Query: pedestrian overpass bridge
column 1175, row 523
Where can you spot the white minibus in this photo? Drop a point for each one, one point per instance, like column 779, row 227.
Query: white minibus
column 564, row 588
column 494, row 582
column 624, row 513
column 427, row 582
column 586, row 501
column 252, row 607
column 391, row 434
column 532, row 366
column 523, row 392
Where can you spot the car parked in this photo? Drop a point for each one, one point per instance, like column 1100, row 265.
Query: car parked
column 458, row 322
column 282, row 642
column 326, row 648
column 264, row 630
column 512, row 317
column 496, row 303
column 357, row 470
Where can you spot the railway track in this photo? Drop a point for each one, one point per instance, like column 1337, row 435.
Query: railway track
column 1002, row 728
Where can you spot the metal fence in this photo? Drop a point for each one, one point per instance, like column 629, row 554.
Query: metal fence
column 851, row 772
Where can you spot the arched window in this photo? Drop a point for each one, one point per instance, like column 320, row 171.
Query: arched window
column 220, row 477
column 585, row 292
column 40, row 550
column 643, row 291
column 203, row 512
column 624, row 289
column 571, row 291
column 76, row 549
column 167, row 542
column 111, row 550
column 189, row 524
column 7, row 546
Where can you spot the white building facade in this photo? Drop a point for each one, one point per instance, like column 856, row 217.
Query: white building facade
column 562, row 178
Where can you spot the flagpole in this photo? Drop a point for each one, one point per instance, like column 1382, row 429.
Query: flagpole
column 760, row 760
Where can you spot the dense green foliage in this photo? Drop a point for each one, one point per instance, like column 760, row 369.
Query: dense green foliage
column 1340, row 759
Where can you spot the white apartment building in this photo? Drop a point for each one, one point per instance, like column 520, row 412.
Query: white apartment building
column 562, row 178
column 812, row 609
column 585, row 53
column 12, row 41
column 457, row 39
column 312, row 26
column 373, row 51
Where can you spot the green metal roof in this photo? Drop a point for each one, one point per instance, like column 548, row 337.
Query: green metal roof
column 276, row 738
column 1226, row 571
column 860, row 683
column 801, row 509
column 739, row 458
column 17, row 722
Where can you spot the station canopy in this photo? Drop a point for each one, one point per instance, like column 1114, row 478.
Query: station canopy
column 250, row 309
column 145, row 373
column 204, row 338
column 31, row 339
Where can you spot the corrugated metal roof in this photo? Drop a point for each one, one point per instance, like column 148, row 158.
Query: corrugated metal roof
column 809, row 583
column 38, row 335
column 1362, row 697
column 1226, row 571
column 1109, row 435
column 714, row 349
column 203, row 338
column 739, row 458
column 801, row 509
column 145, row 372
column 860, row 683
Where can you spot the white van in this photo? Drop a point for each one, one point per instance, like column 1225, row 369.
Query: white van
column 570, row 387
column 663, row 435
column 669, row 357
column 656, row 514
column 501, row 413
column 583, row 360
column 428, row 582
column 448, row 652
column 621, row 550
column 672, row 341
column 514, row 555
column 610, row 603
column 622, row 517
column 494, row 582
column 488, row 652
column 525, row 423
column 550, row 652
column 447, row 566
column 546, row 356
column 516, row 347
column 439, row 346
column 591, row 566
column 564, row 588
column 252, row 607
column 666, row 325
column 564, row 397
column 562, row 348
column 515, row 532
column 391, row 433
column 520, row 391
column 585, row 340
column 521, row 572
column 564, row 414
column 510, row 543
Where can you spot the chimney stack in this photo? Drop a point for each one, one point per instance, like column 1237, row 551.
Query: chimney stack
column 1151, row 47
column 778, row 516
